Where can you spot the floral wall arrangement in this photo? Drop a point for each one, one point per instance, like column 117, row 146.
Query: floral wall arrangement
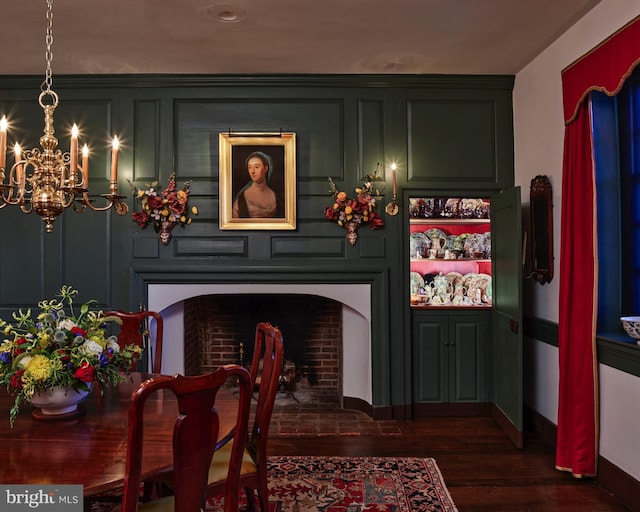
column 352, row 212
column 164, row 209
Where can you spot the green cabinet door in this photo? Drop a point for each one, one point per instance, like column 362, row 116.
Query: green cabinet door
column 430, row 370
column 507, row 364
column 449, row 359
column 467, row 368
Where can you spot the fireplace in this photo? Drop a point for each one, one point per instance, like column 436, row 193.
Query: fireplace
column 220, row 329
column 355, row 373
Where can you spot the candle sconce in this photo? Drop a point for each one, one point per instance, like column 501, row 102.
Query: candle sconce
column 392, row 207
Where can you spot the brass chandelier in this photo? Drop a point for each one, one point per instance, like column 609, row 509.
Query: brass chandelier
column 45, row 180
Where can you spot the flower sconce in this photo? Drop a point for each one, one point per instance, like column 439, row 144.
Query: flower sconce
column 351, row 213
column 164, row 209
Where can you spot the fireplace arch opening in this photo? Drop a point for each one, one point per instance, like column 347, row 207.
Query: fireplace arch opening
column 353, row 300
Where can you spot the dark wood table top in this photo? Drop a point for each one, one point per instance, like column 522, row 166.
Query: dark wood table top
column 91, row 449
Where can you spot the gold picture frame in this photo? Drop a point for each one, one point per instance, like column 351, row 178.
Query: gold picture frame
column 270, row 200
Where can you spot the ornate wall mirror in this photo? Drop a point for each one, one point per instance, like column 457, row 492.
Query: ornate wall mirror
column 541, row 205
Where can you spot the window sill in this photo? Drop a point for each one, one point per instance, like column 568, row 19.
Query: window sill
column 615, row 350
column 620, row 352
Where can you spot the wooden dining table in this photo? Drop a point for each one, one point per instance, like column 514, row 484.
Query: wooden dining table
column 90, row 449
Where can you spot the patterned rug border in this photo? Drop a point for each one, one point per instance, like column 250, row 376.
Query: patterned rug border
column 307, row 483
column 372, row 465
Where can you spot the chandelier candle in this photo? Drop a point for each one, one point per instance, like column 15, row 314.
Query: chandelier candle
column 74, row 153
column 3, row 144
column 85, row 166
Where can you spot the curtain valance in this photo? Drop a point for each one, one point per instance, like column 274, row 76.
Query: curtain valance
column 605, row 68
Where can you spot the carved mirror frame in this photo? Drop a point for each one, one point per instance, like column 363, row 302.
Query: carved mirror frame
column 541, row 205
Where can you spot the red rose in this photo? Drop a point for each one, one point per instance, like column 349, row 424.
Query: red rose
column 85, row 373
column 78, row 331
column 141, row 218
column 21, row 341
column 16, row 379
column 375, row 221
column 154, row 202
column 330, row 213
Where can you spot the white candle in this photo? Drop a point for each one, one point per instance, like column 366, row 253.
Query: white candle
column 18, row 156
column 114, row 160
column 3, row 141
column 393, row 174
column 74, row 150
column 85, row 166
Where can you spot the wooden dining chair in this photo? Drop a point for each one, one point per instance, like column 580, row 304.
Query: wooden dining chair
column 268, row 352
column 195, row 434
column 135, row 329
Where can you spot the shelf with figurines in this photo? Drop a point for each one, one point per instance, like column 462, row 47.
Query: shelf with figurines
column 450, row 252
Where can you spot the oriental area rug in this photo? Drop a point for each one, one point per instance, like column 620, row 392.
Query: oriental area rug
column 354, row 484
column 348, row 484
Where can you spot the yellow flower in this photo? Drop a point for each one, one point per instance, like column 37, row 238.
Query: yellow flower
column 348, row 210
column 358, row 190
column 39, row 368
column 194, row 210
column 341, row 196
column 182, row 196
column 140, row 193
column 165, row 213
column 183, row 219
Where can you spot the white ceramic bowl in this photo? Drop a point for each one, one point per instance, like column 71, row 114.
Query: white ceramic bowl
column 631, row 326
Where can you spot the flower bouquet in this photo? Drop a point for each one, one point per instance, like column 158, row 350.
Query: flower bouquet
column 351, row 213
column 59, row 349
column 164, row 209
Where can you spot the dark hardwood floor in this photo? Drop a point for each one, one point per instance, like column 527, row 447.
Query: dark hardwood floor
column 482, row 469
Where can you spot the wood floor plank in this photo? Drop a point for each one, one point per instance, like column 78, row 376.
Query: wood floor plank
column 481, row 467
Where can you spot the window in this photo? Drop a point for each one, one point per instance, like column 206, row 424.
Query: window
column 616, row 132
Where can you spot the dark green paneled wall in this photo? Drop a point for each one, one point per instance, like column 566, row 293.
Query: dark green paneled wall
column 449, row 133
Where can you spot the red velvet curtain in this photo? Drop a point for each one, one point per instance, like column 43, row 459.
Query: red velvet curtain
column 577, row 443
column 605, row 68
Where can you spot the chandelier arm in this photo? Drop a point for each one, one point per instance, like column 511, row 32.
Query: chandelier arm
column 112, row 199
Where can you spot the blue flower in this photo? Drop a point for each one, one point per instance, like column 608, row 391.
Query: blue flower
column 5, row 357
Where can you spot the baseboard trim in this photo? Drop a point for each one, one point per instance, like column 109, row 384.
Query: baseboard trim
column 375, row 412
column 458, row 409
column 610, row 477
column 622, row 485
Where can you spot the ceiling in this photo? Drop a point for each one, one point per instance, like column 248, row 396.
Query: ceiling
column 283, row 36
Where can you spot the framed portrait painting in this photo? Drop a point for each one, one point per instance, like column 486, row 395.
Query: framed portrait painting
column 257, row 180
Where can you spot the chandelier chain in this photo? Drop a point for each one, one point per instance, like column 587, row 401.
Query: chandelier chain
column 48, row 81
column 47, row 181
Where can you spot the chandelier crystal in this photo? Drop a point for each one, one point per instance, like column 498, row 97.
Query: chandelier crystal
column 46, row 180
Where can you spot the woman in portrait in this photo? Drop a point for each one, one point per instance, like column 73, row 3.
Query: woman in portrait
column 257, row 199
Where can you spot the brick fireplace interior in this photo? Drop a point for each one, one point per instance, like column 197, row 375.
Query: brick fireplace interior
column 220, row 329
